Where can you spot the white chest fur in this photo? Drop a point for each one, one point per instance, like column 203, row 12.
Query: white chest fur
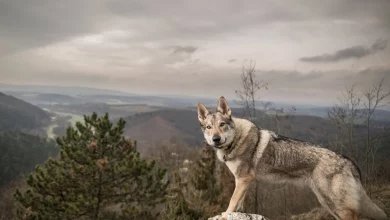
column 233, row 165
column 220, row 155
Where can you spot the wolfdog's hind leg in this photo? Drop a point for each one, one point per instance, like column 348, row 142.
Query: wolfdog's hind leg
column 322, row 199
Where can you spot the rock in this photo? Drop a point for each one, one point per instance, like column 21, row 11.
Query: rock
column 240, row 216
column 244, row 216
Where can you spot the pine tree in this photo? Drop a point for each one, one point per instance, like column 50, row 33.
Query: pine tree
column 99, row 175
column 204, row 177
column 195, row 194
column 208, row 191
column 177, row 207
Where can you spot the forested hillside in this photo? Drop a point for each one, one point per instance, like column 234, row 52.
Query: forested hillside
column 20, row 153
column 20, row 147
column 20, row 115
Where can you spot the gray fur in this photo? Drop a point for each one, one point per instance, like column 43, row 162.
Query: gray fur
column 250, row 153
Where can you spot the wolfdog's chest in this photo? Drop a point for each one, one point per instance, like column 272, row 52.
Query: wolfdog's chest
column 233, row 166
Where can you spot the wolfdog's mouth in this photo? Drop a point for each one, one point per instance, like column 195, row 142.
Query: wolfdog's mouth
column 218, row 145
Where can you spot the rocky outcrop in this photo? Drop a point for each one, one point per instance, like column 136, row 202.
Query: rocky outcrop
column 240, row 216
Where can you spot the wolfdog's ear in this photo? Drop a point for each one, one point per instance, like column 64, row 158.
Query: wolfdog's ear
column 223, row 107
column 202, row 112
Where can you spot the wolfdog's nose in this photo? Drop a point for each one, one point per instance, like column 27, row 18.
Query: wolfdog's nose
column 216, row 138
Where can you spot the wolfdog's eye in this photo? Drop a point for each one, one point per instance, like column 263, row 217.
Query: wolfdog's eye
column 222, row 124
column 208, row 127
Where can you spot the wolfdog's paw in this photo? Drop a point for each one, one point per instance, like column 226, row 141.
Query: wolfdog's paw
column 218, row 217
column 224, row 216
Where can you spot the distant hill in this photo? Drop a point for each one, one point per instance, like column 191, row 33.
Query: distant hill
column 56, row 98
column 42, row 95
column 153, row 128
column 115, row 111
column 46, row 98
column 156, row 130
column 380, row 115
column 320, row 111
column 16, row 114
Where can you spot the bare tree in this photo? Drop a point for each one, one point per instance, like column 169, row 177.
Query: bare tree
column 352, row 110
column 344, row 116
column 374, row 98
column 250, row 86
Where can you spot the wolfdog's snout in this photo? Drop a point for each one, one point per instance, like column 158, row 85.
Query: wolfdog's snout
column 216, row 138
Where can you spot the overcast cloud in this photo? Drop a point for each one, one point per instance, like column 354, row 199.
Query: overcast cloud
column 307, row 50
column 355, row 52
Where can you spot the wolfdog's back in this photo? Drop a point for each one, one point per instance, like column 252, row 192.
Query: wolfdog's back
column 289, row 159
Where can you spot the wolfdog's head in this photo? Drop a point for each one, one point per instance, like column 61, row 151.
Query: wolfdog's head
column 218, row 127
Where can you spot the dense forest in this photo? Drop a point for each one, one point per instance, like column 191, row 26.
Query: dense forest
column 21, row 152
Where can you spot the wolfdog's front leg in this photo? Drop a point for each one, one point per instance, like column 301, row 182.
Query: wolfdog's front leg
column 242, row 184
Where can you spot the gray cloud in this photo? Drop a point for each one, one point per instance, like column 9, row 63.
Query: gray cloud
column 29, row 24
column 376, row 72
column 183, row 49
column 315, row 87
column 291, row 76
column 379, row 45
column 355, row 52
column 182, row 46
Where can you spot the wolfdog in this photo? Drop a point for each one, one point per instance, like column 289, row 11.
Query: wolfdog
column 250, row 152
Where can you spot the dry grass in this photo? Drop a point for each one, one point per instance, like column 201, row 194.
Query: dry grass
column 381, row 196
column 315, row 214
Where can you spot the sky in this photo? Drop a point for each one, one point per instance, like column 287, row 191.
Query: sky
column 308, row 51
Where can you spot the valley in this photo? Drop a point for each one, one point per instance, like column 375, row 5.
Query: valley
column 167, row 130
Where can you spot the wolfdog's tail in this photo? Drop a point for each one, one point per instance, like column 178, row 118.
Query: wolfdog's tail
column 370, row 210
